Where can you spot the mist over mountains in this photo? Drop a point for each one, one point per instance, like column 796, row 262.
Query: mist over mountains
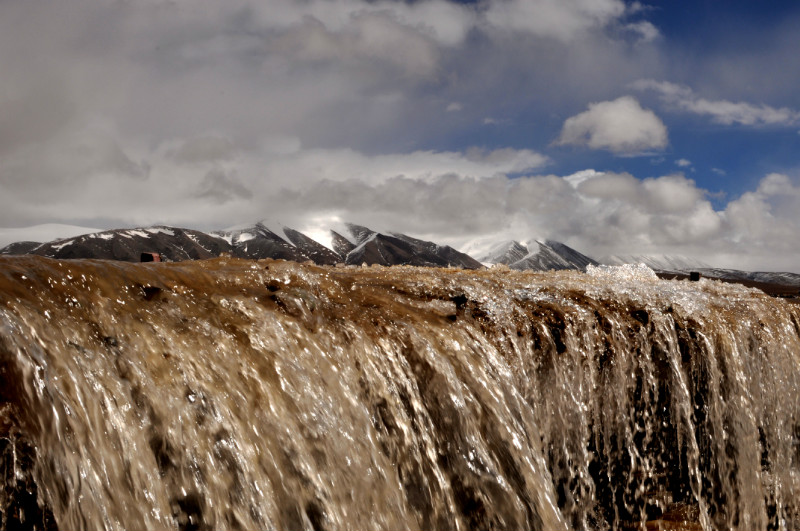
column 356, row 245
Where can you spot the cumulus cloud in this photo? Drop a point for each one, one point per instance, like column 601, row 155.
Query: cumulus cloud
column 721, row 111
column 683, row 163
column 766, row 220
column 620, row 126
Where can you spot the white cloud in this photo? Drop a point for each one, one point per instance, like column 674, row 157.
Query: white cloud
column 683, row 163
column 621, row 126
column 454, row 107
column 720, row 111
column 560, row 19
column 210, row 182
column 766, row 222
column 199, row 96
column 577, row 178
column 357, row 73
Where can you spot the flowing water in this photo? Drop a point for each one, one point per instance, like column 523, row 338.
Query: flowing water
column 230, row 394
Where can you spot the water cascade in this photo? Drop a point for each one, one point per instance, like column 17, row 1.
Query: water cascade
column 231, row 394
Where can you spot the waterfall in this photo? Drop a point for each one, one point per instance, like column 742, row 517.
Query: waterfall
column 232, row 394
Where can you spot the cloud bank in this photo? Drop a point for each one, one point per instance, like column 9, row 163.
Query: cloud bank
column 450, row 197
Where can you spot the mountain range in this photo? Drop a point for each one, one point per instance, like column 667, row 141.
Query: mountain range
column 357, row 245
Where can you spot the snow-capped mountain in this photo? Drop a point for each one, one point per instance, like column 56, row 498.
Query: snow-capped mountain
column 371, row 247
column 284, row 243
column 361, row 245
column 536, row 255
column 663, row 262
column 506, row 252
column 128, row 244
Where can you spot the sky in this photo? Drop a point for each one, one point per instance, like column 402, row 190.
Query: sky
column 616, row 127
